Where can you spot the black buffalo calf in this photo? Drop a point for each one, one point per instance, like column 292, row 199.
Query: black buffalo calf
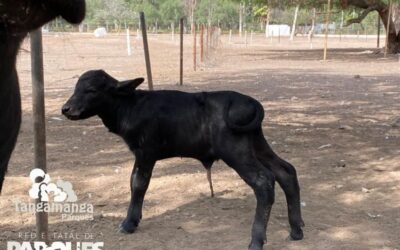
column 206, row 126
column 17, row 18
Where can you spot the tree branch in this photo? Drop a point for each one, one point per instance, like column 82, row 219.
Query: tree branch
column 361, row 17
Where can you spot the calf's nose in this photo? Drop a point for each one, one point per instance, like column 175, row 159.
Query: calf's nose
column 65, row 109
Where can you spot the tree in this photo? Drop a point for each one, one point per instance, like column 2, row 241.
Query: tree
column 366, row 7
column 382, row 7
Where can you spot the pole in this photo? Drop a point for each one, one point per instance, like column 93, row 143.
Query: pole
column 328, row 16
column 378, row 40
column 279, row 34
column 194, row 46
column 128, row 42
column 245, row 37
column 388, row 27
column 39, row 124
column 181, row 53
column 202, row 44
column 230, row 36
column 146, row 50
column 173, row 31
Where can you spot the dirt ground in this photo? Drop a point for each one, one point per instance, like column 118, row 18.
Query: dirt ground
column 338, row 122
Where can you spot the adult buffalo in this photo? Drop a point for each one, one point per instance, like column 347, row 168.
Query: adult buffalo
column 17, row 18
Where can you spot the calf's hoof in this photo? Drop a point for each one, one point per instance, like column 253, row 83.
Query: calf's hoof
column 255, row 246
column 296, row 234
column 127, row 227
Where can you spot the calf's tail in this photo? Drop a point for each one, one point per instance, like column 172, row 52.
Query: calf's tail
column 244, row 115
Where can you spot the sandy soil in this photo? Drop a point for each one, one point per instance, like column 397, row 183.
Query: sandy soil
column 338, row 122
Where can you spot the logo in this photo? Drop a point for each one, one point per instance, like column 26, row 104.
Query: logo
column 42, row 188
column 58, row 197
column 38, row 245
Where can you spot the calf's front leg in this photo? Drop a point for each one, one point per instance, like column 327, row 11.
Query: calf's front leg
column 140, row 180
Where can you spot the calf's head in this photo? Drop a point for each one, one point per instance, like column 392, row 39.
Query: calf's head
column 95, row 92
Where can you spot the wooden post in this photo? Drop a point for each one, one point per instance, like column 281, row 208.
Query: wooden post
column 173, row 31
column 230, row 36
column 378, row 40
column 279, row 34
column 341, row 26
column 128, row 42
column 181, row 53
column 245, row 37
column 202, row 44
column 388, row 28
column 208, row 38
column 251, row 37
column 39, row 122
column 328, row 16
column 194, row 46
column 146, row 50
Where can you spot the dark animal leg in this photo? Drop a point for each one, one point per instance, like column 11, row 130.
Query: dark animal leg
column 210, row 181
column 140, row 181
column 286, row 176
column 207, row 165
column 262, row 181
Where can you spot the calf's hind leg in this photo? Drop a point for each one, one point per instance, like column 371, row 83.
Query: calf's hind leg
column 207, row 165
column 262, row 181
column 286, row 176
column 140, row 180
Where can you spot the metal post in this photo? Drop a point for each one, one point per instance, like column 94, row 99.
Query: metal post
column 39, row 123
column 328, row 16
column 181, row 53
column 146, row 50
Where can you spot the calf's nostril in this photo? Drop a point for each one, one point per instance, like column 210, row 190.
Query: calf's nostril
column 65, row 109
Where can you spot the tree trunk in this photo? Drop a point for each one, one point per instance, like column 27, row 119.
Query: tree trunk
column 311, row 33
column 241, row 20
column 296, row 12
column 394, row 37
column 382, row 8
column 267, row 24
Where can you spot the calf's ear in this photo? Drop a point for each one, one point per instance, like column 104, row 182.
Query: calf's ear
column 126, row 87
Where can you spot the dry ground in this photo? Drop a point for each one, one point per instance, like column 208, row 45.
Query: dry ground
column 335, row 121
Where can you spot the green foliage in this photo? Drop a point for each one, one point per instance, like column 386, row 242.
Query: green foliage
column 224, row 13
column 171, row 10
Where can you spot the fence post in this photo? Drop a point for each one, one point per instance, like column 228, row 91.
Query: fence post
column 146, row 50
column 378, row 40
column 245, row 37
column 328, row 16
column 128, row 42
column 194, row 46
column 39, row 123
column 181, row 53
column 202, row 44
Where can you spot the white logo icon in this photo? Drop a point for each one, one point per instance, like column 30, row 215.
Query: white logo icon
column 42, row 188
